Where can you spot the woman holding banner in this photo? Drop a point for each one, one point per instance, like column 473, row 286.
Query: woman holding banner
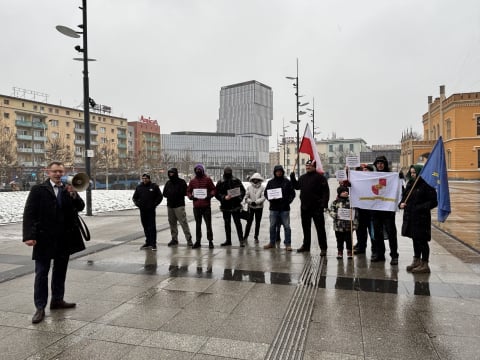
column 417, row 201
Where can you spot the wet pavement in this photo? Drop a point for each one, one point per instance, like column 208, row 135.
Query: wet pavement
column 248, row 303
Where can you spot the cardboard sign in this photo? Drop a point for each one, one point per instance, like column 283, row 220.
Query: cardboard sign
column 274, row 193
column 200, row 193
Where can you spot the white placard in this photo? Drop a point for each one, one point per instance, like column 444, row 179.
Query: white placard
column 234, row 192
column 341, row 175
column 274, row 193
column 344, row 214
column 353, row 161
column 200, row 193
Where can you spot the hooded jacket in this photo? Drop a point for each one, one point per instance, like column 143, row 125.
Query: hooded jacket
column 384, row 160
column 229, row 182
column 201, row 181
column 255, row 193
column 175, row 189
column 288, row 193
column 417, row 217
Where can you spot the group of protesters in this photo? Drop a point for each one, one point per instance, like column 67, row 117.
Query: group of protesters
column 417, row 199
column 50, row 223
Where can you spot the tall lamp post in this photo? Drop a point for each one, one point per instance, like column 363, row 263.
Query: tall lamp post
column 298, row 105
column 86, row 97
column 284, row 141
column 312, row 109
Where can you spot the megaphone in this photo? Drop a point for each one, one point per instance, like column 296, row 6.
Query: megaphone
column 79, row 182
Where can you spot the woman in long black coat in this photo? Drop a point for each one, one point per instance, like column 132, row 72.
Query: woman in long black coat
column 417, row 201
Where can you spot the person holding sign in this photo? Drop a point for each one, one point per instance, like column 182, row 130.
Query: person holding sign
column 280, row 193
column 417, row 201
column 345, row 220
column 201, row 189
column 230, row 192
column 314, row 195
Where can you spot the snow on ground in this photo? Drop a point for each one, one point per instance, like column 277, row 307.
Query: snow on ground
column 12, row 203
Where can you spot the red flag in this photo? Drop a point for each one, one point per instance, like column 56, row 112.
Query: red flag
column 308, row 146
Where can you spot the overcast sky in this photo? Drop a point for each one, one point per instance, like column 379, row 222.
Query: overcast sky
column 370, row 64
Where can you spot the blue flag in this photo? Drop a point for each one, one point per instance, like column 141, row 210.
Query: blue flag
column 435, row 174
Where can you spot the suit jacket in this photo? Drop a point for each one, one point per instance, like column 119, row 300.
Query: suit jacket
column 53, row 227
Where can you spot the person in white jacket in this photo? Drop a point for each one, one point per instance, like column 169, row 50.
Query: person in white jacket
column 254, row 198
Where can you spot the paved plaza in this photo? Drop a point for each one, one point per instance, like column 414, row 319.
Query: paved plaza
column 248, row 303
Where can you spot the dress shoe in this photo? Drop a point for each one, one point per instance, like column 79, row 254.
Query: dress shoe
column 226, row 243
column 323, row 252
column 210, row 245
column 38, row 316
column 62, row 304
column 269, row 246
column 302, row 249
column 197, row 245
column 377, row 259
column 173, row 243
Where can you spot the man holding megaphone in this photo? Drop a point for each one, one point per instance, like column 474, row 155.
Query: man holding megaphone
column 49, row 222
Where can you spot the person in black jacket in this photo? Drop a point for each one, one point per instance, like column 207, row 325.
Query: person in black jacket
column 230, row 192
column 384, row 220
column 147, row 197
column 175, row 191
column 280, row 193
column 418, row 200
column 314, row 196
column 49, row 221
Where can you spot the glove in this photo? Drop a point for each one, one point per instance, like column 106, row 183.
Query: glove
column 253, row 203
column 194, row 198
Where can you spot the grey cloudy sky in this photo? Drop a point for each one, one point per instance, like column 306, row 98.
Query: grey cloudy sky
column 369, row 64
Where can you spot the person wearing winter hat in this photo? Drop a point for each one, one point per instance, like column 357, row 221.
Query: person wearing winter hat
column 174, row 191
column 254, row 198
column 341, row 225
column 230, row 192
column 384, row 220
column 147, row 197
column 201, row 190
column 314, row 195
column 280, row 193
column 418, row 200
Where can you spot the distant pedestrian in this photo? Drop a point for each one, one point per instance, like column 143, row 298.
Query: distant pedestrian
column 314, row 196
column 418, row 200
column 254, row 198
column 384, row 219
column 201, row 190
column 230, row 192
column 343, row 223
column 280, row 193
column 175, row 191
column 49, row 222
column 147, row 197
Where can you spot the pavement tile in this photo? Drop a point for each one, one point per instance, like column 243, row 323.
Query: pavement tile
column 175, row 341
column 195, row 322
column 235, row 349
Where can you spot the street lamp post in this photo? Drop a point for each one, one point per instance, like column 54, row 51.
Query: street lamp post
column 312, row 109
column 298, row 105
column 86, row 96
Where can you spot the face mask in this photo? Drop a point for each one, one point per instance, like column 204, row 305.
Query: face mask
column 198, row 172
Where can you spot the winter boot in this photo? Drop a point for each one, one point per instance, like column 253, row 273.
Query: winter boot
column 196, row 245
column 416, row 262
column 422, row 269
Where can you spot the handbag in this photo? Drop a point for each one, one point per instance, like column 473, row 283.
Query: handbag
column 244, row 214
column 83, row 228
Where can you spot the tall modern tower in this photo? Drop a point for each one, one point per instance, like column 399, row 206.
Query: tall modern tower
column 246, row 109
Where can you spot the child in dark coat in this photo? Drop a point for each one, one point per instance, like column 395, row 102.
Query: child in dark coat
column 344, row 221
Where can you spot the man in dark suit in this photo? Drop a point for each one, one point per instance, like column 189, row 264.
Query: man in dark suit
column 49, row 225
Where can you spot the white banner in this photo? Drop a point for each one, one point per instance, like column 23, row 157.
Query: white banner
column 375, row 190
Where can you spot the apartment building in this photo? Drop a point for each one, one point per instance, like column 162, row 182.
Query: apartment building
column 33, row 133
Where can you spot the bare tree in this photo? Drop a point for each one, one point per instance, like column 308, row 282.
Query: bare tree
column 56, row 149
column 106, row 159
column 7, row 152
